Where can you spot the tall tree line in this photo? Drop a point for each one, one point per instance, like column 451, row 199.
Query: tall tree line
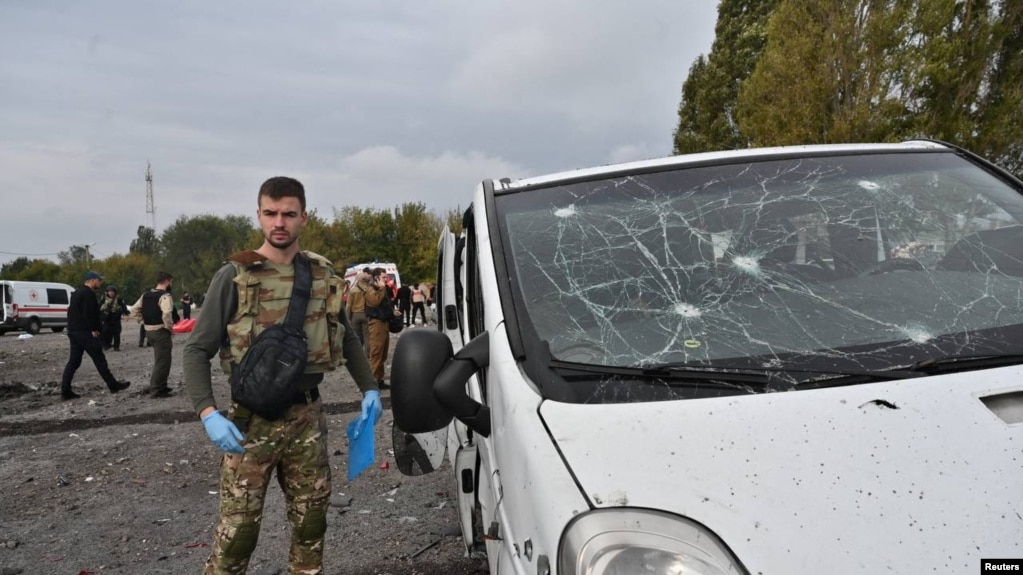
column 826, row 71
column 193, row 248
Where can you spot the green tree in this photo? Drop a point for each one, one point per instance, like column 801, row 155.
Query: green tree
column 195, row 247
column 832, row 71
column 317, row 237
column 11, row 269
column 453, row 219
column 968, row 76
column 75, row 256
column 1001, row 114
column 416, row 234
column 146, row 243
column 369, row 234
column 710, row 93
column 132, row 274
column 37, row 270
column 889, row 70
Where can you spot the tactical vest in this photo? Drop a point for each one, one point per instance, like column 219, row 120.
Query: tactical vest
column 151, row 312
column 264, row 291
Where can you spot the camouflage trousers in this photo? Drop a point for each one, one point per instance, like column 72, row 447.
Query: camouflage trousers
column 296, row 447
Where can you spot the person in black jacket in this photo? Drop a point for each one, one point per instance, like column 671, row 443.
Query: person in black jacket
column 405, row 302
column 83, row 330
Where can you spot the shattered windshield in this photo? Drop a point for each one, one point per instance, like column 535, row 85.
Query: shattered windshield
column 864, row 262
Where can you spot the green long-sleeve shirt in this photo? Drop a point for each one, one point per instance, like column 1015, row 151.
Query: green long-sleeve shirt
column 207, row 335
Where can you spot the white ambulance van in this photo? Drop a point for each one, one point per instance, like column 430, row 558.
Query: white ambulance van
column 787, row 361
column 389, row 268
column 31, row 306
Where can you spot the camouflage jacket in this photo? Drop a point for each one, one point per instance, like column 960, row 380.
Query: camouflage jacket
column 264, row 292
column 250, row 293
column 113, row 308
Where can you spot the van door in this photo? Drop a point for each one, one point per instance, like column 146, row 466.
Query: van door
column 6, row 298
column 474, row 457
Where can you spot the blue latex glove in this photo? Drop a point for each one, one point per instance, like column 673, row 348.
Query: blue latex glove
column 223, row 432
column 371, row 404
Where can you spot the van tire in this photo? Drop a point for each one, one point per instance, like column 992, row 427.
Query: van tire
column 34, row 326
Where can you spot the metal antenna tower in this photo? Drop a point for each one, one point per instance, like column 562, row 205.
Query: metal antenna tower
column 150, row 206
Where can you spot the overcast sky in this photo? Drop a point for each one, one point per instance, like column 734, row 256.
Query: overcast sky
column 369, row 104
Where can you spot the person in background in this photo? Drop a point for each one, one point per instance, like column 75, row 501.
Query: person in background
column 156, row 310
column 355, row 307
column 392, row 289
column 186, row 306
column 405, row 302
column 295, row 445
column 431, row 305
column 379, row 338
column 83, row 330
column 418, row 303
column 111, row 311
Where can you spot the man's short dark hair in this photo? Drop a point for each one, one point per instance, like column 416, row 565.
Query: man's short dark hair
column 282, row 187
column 163, row 277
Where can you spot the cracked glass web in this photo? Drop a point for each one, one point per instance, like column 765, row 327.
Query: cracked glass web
column 859, row 261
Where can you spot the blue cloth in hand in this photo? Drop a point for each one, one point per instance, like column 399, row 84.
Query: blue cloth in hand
column 361, row 444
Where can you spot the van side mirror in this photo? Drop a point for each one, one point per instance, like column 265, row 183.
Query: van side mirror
column 419, row 357
column 449, row 387
column 428, row 382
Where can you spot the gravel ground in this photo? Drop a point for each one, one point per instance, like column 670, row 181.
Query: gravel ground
column 128, row 484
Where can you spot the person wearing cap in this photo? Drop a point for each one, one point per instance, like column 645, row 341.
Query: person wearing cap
column 83, row 331
column 111, row 311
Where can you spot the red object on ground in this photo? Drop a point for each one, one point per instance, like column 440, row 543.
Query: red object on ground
column 184, row 326
column 385, row 465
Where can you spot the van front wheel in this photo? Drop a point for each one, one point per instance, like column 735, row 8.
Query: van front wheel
column 34, row 326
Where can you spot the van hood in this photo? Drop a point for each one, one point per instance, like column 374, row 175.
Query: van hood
column 910, row 476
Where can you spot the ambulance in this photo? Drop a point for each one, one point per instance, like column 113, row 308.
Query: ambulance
column 389, row 268
column 31, row 306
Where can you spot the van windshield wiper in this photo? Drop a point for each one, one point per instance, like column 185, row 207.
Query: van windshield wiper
column 817, row 377
column 956, row 363
column 728, row 377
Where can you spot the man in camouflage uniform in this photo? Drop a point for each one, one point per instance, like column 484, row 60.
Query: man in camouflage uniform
column 247, row 295
column 355, row 307
column 111, row 311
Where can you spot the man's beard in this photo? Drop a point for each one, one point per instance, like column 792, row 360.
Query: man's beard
column 278, row 243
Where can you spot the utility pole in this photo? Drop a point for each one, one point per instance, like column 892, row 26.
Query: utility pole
column 150, row 204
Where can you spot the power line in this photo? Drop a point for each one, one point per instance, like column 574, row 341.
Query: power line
column 27, row 255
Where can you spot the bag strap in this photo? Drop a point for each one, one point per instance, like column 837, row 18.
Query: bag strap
column 300, row 293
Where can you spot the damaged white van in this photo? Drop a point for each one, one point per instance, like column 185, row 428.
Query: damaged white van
column 772, row 361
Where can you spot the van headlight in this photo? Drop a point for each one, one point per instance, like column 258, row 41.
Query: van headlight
column 635, row 541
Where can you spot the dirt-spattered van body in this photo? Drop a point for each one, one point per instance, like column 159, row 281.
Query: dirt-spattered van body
column 31, row 306
column 787, row 360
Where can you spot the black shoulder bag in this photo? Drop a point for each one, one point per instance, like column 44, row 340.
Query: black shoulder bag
column 385, row 312
column 264, row 380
